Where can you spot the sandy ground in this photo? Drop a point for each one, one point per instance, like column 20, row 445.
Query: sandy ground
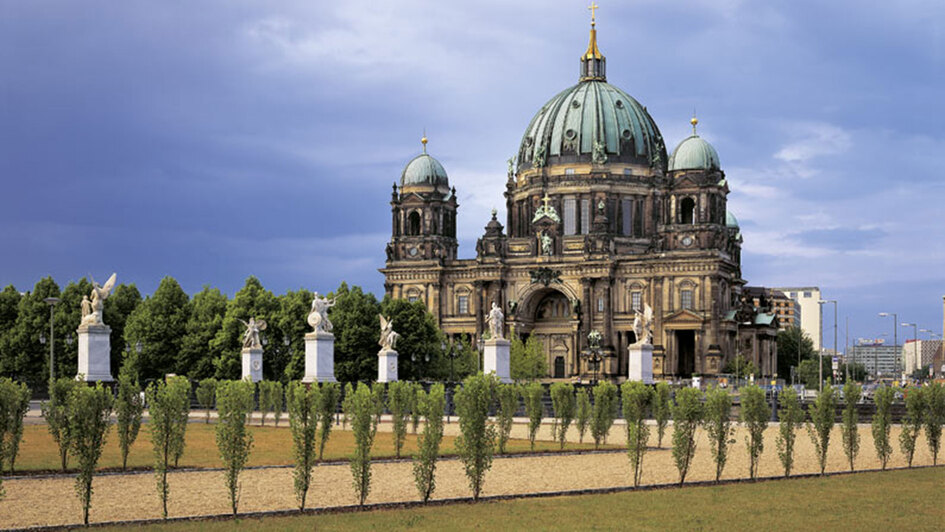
column 52, row 501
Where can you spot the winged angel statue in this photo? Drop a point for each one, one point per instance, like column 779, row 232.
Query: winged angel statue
column 388, row 337
column 251, row 335
column 643, row 325
column 92, row 309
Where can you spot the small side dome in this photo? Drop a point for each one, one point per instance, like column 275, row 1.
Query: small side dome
column 730, row 220
column 424, row 170
column 694, row 153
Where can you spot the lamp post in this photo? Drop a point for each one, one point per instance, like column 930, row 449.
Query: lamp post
column 915, row 346
column 480, row 346
column 592, row 355
column 835, row 353
column 51, row 301
column 932, row 334
column 451, row 353
column 895, row 318
column 413, row 358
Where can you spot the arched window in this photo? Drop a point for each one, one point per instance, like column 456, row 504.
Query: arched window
column 413, row 223
column 687, row 211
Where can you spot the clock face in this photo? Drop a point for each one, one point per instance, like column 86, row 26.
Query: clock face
column 412, row 252
column 687, row 241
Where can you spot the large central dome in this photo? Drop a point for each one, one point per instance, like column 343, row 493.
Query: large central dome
column 592, row 121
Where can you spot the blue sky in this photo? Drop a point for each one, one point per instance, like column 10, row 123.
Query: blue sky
column 214, row 140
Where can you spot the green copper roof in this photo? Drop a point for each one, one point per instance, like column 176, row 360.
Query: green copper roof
column 592, row 121
column 730, row 220
column 424, row 170
column 694, row 153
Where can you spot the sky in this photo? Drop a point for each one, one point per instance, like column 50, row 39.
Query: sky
column 216, row 140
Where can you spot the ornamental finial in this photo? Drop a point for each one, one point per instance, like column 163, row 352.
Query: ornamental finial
column 423, row 140
column 593, row 7
column 694, row 121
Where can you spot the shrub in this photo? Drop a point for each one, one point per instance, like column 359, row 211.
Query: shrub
column 507, row 396
column 164, row 404
column 637, row 397
column 206, row 393
column 398, row 402
column 303, row 401
column 416, row 390
column 14, row 403
column 181, row 387
column 56, row 413
column 662, row 410
column 431, row 405
column 912, row 424
column 718, row 426
column 89, row 411
column 360, row 407
column 531, row 396
column 234, row 405
column 276, row 394
column 822, row 418
column 790, row 416
column 563, row 403
column 851, row 437
column 882, row 423
column 687, row 414
column 934, row 417
column 754, row 416
column 327, row 405
column 604, row 411
column 583, row 415
column 128, row 408
column 477, row 436
column 377, row 396
column 264, row 389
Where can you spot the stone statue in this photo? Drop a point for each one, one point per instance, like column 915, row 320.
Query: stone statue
column 86, row 310
column 643, row 326
column 599, row 154
column 318, row 317
column 545, row 243
column 496, row 320
column 97, row 304
column 540, row 156
column 389, row 338
column 511, row 168
column 251, row 335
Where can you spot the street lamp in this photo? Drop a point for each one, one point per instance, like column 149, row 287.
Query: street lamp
column 413, row 358
column 915, row 346
column 449, row 350
column 895, row 318
column 932, row 334
column 51, row 301
column 592, row 355
column 835, row 353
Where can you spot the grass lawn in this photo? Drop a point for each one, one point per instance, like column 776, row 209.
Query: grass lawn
column 272, row 446
column 898, row 500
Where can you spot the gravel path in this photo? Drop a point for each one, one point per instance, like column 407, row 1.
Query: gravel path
column 52, row 501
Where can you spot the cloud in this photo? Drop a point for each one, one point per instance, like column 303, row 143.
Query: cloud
column 814, row 140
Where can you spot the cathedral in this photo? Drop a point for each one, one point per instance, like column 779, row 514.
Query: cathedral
column 600, row 222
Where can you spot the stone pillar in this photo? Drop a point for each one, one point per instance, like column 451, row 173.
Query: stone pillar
column 387, row 365
column 495, row 358
column 94, row 353
column 641, row 363
column 319, row 357
column 252, row 363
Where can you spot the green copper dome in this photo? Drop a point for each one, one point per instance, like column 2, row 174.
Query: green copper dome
column 424, row 170
column 694, row 153
column 730, row 220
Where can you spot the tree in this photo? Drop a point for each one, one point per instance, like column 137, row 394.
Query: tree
column 431, row 405
column 934, row 417
column 181, row 388
column 128, row 406
column 234, row 441
column 527, row 359
column 477, row 436
column 302, row 405
column 204, row 322
column 718, row 426
column 789, row 416
column 851, row 438
column 360, row 408
column 822, row 418
column 741, row 367
column 398, row 403
column 288, row 361
column 159, row 324
column 357, row 330
column 857, row 371
column 9, row 303
column 531, row 397
column 687, row 415
column 882, row 423
column 124, row 300
column 415, row 391
column 68, row 314
column 327, row 405
column 754, row 416
column 206, row 394
column 507, row 395
column 603, row 412
column 563, row 403
column 165, row 403
column 89, row 411
column 14, row 403
column 420, row 339
column 912, row 424
column 583, row 415
column 26, row 359
column 56, row 413
column 250, row 301
column 787, row 341
column 662, row 410
column 809, row 375
column 637, row 397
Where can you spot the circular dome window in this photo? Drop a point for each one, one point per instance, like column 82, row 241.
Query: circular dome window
column 575, row 104
column 626, row 133
column 619, row 104
column 570, row 134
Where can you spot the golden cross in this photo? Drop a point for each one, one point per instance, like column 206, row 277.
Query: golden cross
column 593, row 7
column 546, row 200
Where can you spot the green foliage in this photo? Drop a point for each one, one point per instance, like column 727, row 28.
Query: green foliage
column 303, row 402
column 56, row 413
column 507, row 396
column 912, row 424
column 327, row 405
column 360, row 407
column 124, row 300
column 166, row 401
column 563, row 403
column 851, row 437
column 882, row 422
column 718, row 426
column 159, row 324
column 250, row 301
column 263, row 392
column 128, row 406
column 398, row 402
column 637, row 397
column 823, row 413
column 741, row 367
column 527, row 359
column 790, row 415
column 14, row 403
column 234, row 441
column 788, row 340
column 377, row 396
column 934, row 417
column 181, row 387
column 23, row 355
column 416, row 390
column 270, row 400
column 419, row 337
column 356, row 329
column 583, row 413
column 662, row 410
column 754, row 416
column 206, row 394
column 603, row 412
column 287, row 362
column 687, row 415
column 432, row 406
column 204, row 322
column 808, row 374
column 477, row 436
column 531, row 397
column 89, row 410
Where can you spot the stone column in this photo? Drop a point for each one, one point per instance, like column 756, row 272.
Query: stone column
column 252, row 363
column 94, row 353
column 495, row 358
column 387, row 365
column 319, row 357
column 640, row 363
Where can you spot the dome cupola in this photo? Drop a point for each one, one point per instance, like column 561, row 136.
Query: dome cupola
column 694, row 153
column 424, row 171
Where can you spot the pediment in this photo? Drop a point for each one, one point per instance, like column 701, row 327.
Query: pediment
column 683, row 317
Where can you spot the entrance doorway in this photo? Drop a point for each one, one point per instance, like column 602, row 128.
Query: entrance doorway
column 685, row 353
column 559, row 367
